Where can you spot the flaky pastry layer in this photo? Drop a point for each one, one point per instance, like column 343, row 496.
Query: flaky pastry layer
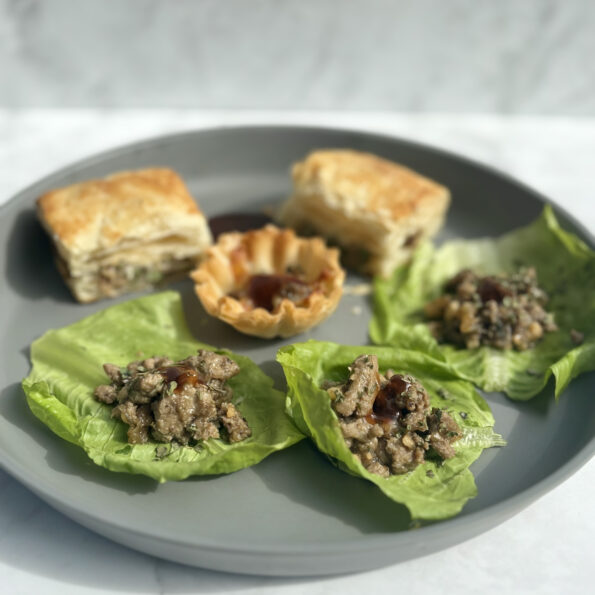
column 123, row 232
column 376, row 210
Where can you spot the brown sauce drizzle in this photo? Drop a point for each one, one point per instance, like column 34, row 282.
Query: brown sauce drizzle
column 491, row 289
column 237, row 222
column 262, row 289
column 181, row 375
column 412, row 239
column 385, row 408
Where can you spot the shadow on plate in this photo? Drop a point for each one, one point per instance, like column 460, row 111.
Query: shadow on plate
column 540, row 405
column 213, row 331
column 30, row 267
column 273, row 370
column 317, row 484
column 542, row 435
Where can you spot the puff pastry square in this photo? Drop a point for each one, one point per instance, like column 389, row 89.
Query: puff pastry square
column 376, row 210
column 124, row 232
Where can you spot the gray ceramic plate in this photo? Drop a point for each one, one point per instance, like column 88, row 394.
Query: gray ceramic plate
column 294, row 513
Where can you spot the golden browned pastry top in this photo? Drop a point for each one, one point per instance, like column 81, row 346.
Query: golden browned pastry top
column 365, row 183
column 97, row 215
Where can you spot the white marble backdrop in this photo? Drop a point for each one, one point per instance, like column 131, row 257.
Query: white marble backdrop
column 503, row 56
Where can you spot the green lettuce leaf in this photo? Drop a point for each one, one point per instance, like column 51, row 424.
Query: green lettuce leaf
column 566, row 270
column 433, row 490
column 67, row 366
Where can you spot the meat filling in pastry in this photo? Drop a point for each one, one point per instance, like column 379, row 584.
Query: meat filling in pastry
column 269, row 291
column 269, row 282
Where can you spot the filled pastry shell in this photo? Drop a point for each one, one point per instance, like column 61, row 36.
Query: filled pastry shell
column 125, row 232
column 269, row 282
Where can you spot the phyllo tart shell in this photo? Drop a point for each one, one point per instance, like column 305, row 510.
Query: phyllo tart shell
column 269, row 282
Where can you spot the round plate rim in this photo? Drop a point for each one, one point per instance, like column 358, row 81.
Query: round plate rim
column 499, row 510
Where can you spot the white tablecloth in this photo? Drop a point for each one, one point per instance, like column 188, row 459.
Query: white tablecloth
column 547, row 548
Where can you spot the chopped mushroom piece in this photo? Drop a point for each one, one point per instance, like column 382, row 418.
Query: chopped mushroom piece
column 178, row 402
column 387, row 421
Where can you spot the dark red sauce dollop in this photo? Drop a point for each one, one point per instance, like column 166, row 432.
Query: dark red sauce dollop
column 237, row 222
column 181, row 375
column 386, row 407
column 262, row 289
column 491, row 289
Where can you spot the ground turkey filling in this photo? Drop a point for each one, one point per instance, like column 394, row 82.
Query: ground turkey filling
column 502, row 312
column 268, row 291
column 183, row 402
column 387, row 421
